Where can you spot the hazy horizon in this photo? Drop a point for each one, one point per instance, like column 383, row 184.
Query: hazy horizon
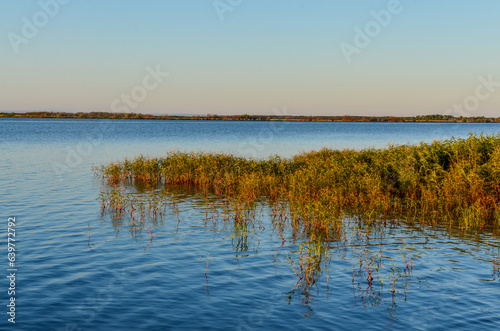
column 233, row 57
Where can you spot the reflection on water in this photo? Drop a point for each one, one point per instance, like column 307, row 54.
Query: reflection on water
column 389, row 261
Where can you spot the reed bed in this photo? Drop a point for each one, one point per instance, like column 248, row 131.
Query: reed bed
column 455, row 181
column 316, row 196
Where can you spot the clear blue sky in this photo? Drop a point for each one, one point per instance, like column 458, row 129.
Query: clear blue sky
column 264, row 54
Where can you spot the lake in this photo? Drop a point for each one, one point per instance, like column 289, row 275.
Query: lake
column 80, row 269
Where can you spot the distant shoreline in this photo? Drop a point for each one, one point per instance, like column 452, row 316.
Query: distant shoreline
column 289, row 118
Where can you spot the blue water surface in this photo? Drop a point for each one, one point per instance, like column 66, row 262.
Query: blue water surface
column 122, row 280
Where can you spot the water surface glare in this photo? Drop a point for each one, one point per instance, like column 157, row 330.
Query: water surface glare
column 120, row 279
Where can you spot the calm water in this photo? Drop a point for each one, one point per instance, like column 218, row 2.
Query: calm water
column 118, row 279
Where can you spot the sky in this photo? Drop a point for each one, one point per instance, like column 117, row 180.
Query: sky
column 297, row 57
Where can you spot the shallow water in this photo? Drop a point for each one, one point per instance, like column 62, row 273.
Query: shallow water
column 119, row 279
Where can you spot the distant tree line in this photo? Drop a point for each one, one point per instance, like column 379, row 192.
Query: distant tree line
column 246, row 117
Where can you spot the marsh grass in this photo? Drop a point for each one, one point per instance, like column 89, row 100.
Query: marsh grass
column 453, row 183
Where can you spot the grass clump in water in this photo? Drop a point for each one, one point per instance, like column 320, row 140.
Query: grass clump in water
column 450, row 181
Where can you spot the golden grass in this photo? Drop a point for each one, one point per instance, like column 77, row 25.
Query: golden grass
column 455, row 181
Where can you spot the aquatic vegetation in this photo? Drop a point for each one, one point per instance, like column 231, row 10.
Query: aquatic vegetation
column 308, row 269
column 322, row 198
column 496, row 263
column 455, row 181
column 88, row 241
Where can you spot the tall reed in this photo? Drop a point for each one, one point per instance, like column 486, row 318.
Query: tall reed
column 450, row 181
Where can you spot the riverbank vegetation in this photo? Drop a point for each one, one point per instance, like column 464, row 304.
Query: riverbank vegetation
column 212, row 117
